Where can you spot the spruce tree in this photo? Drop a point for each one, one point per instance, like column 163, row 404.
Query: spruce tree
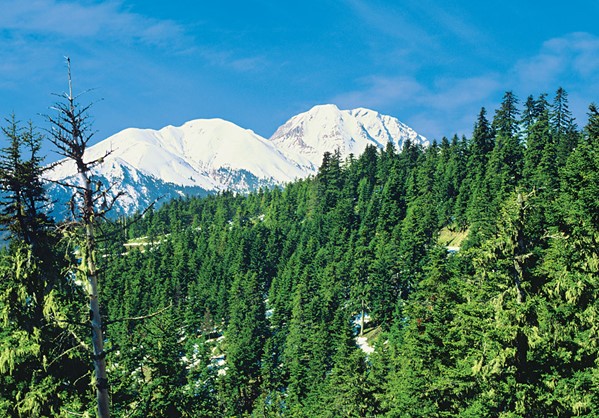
column 423, row 348
column 39, row 363
column 473, row 190
column 563, row 126
column 246, row 335
column 505, row 162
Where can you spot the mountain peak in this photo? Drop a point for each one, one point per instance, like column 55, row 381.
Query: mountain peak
column 326, row 128
column 321, row 108
column 209, row 155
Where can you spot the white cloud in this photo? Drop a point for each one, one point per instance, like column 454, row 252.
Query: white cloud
column 36, row 31
column 394, row 22
column 573, row 58
column 103, row 20
column 448, row 104
column 379, row 91
column 423, row 30
column 228, row 59
column 446, row 93
column 456, row 93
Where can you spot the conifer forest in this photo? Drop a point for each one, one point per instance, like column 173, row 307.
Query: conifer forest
column 455, row 280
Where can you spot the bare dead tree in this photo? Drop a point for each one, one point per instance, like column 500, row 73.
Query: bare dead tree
column 70, row 133
column 90, row 202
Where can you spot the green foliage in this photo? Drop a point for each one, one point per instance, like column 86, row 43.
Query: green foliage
column 235, row 305
column 246, row 334
column 41, row 362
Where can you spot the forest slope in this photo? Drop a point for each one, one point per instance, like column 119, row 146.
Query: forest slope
column 258, row 294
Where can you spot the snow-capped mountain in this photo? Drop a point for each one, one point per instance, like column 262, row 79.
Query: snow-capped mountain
column 208, row 155
column 307, row 136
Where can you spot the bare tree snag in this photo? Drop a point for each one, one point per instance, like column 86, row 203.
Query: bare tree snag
column 70, row 134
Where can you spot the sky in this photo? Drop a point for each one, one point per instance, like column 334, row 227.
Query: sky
column 431, row 64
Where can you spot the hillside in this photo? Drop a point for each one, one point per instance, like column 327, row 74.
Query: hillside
column 234, row 304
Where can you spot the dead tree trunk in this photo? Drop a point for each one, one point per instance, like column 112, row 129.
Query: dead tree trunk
column 90, row 266
column 70, row 134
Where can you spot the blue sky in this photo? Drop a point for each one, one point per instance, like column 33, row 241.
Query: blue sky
column 432, row 64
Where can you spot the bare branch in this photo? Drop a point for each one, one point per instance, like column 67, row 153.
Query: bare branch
column 99, row 160
column 138, row 217
column 64, row 353
column 61, row 183
column 109, row 206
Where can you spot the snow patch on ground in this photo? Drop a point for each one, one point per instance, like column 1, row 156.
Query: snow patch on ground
column 362, row 342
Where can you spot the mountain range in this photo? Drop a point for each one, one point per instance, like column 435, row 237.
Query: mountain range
column 209, row 155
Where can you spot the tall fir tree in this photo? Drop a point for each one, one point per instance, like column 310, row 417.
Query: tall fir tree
column 563, row 126
column 39, row 363
column 246, row 335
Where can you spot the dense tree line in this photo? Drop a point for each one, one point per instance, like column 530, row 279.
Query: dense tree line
column 475, row 261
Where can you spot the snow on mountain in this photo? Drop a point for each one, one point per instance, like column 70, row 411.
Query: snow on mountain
column 191, row 155
column 207, row 155
column 307, row 136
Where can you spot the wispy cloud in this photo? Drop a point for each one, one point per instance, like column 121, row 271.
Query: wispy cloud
column 106, row 39
column 570, row 61
column 574, row 57
column 446, row 93
column 380, row 91
column 88, row 20
column 447, row 104
column 442, row 109
column 394, row 22
column 230, row 60
column 36, row 34
column 422, row 28
column 457, row 93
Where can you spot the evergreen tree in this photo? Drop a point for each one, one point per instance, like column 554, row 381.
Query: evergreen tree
column 502, row 313
column 346, row 391
column 473, row 190
column 592, row 128
column 39, row 364
column 482, row 144
column 329, row 180
column 505, row 162
column 419, row 383
column 246, row 335
column 305, row 354
column 563, row 126
column 503, row 170
column 21, row 179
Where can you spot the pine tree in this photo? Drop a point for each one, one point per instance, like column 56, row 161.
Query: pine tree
column 592, row 128
column 503, row 170
column 21, row 181
column 473, row 190
column 329, row 181
column 23, row 203
column 419, row 383
column 563, row 126
column 501, row 338
column 305, row 355
column 505, row 162
column 246, row 335
column 39, row 364
column 346, row 391
column 568, row 325
column 481, row 145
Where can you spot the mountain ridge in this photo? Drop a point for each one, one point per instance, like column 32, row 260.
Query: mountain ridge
column 209, row 155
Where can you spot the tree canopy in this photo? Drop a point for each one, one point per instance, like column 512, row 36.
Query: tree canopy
column 459, row 279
